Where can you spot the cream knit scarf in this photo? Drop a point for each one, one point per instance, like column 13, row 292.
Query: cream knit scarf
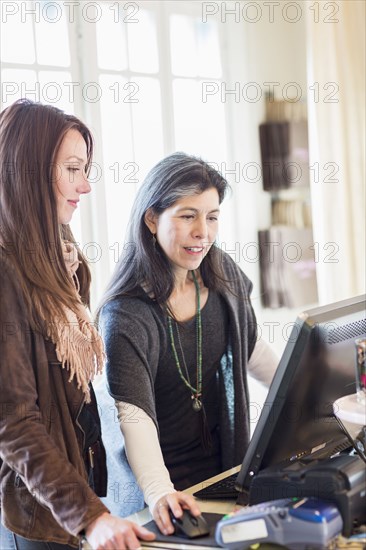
column 79, row 346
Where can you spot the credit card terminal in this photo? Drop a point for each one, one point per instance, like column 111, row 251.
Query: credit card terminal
column 296, row 523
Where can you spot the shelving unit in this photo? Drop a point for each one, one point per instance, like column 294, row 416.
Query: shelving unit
column 287, row 258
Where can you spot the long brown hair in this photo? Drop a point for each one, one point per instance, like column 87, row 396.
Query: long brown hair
column 30, row 235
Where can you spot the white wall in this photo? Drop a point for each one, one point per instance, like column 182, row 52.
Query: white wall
column 262, row 52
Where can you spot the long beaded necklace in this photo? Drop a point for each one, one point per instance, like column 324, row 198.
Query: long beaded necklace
column 196, row 392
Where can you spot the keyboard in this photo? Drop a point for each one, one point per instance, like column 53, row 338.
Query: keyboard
column 223, row 489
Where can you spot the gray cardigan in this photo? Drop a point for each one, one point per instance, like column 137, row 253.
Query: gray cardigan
column 135, row 334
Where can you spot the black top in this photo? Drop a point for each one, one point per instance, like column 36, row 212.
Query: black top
column 179, row 424
column 136, row 336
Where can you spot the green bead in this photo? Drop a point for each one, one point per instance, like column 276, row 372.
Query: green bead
column 197, row 391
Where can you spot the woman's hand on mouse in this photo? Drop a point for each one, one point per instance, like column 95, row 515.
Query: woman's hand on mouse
column 176, row 502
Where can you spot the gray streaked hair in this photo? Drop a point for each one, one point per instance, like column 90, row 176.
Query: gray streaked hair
column 176, row 176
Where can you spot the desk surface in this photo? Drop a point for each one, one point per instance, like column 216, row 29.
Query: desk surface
column 214, row 506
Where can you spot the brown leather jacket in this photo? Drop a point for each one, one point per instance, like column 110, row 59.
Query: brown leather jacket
column 43, row 480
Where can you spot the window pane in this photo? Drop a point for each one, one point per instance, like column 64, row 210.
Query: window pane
column 147, row 124
column 18, row 83
column 132, row 142
column 52, row 35
column 111, row 39
column 119, row 169
column 142, row 43
column 13, row 26
column 199, row 127
column 209, row 60
column 116, row 118
column 56, row 88
column 194, row 47
column 183, row 46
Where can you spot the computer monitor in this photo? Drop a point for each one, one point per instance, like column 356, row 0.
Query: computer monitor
column 316, row 368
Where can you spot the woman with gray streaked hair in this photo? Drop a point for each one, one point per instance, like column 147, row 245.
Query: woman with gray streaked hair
column 180, row 334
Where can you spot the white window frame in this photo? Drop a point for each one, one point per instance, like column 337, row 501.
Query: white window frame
column 83, row 68
column 96, row 209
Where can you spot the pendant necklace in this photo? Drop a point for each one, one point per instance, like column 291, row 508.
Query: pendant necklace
column 196, row 392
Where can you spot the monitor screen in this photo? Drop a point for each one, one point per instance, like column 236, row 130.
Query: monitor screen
column 317, row 367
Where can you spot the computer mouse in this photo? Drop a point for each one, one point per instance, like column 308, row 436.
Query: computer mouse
column 189, row 526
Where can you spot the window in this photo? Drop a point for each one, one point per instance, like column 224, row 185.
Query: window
column 135, row 72
column 39, row 66
column 195, row 56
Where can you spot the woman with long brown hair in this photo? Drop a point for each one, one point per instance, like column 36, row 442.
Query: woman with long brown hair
column 51, row 453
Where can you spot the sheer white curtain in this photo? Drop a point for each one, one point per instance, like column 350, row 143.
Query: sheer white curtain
column 336, row 102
